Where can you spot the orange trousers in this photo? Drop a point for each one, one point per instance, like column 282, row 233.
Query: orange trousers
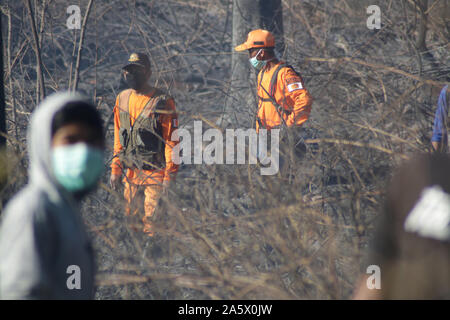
column 135, row 199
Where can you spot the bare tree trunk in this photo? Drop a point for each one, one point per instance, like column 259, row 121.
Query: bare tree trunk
column 240, row 107
column 429, row 60
column 94, row 99
column 80, row 46
column 11, row 87
column 2, row 94
column 272, row 19
column 37, row 50
column 3, row 169
column 420, row 43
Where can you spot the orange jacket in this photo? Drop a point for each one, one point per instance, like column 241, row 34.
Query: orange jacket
column 168, row 122
column 289, row 92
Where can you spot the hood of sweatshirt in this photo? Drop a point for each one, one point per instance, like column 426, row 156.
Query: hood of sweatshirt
column 40, row 141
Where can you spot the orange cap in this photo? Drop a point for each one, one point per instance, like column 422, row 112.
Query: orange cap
column 257, row 39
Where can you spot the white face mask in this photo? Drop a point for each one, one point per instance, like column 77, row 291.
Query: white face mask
column 77, row 166
column 257, row 64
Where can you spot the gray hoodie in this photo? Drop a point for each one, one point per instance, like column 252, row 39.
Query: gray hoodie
column 43, row 243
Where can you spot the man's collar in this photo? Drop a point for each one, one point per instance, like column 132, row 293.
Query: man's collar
column 271, row 64
column 146, row 91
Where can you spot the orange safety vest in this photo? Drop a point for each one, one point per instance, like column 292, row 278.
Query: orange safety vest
column 142, row 142
column 168, row 122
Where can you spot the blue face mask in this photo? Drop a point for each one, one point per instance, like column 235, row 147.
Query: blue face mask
column 257, row 64
column 77, row 167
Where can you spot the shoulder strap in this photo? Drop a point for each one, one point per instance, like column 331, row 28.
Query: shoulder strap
column 124, row 111
column 274, row 79
column 155, row 105
column 277, row 107
column 271, row 91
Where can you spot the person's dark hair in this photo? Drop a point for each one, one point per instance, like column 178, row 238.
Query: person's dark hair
column 78, row 112
column 270, row 51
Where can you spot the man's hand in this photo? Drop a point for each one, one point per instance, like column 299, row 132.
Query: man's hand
column 114, row 181
column 438, row 146
column 165, row 187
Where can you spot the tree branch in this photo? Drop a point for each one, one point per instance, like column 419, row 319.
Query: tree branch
column 80, row 46
column 41, row 87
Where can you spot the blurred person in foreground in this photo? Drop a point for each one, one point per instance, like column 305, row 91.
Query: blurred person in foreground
column 42, row 236
column 144, row 120
column 439, row 140
column 412, row 242
column 283, row 100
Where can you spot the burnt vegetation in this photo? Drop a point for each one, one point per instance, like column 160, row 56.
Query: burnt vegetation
column 225, row 231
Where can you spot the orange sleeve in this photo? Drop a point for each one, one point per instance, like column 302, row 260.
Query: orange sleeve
column 169, row 123
column 116, row 168
column 296, row 95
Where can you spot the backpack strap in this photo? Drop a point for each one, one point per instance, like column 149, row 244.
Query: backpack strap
column 155, row 106
column 272, row 85
column 273, row 81
column 124, row 111
column 271, row 98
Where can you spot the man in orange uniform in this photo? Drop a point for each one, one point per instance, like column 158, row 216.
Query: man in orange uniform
column 284, row 102
column 144, row 119
column 283, row 98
